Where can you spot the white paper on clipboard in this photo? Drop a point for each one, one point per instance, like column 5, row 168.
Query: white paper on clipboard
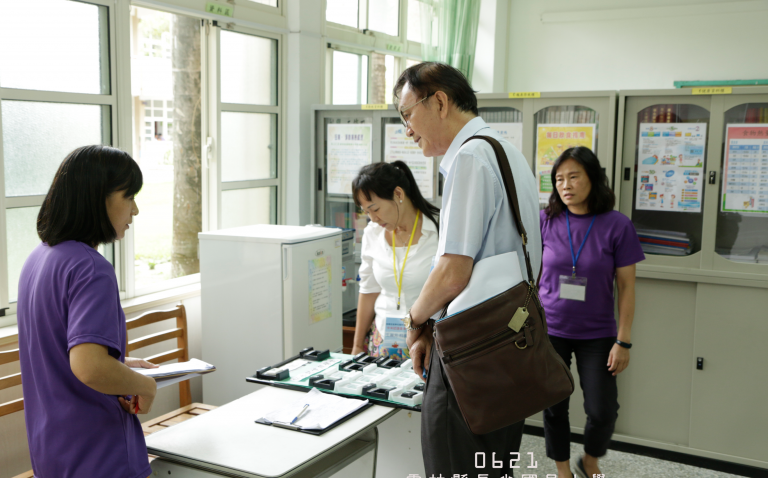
column 490, row 277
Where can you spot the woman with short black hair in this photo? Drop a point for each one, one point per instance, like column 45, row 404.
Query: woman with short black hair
column 586, row 246
column 72, row 333
column 390, row 283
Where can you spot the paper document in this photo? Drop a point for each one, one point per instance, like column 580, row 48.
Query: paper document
column 324, row 410
column 490, row 277
column 164, row 382
column 177, row 369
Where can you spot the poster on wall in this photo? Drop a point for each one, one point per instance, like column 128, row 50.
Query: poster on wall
column 551, row 141
column 512, row 132
column 670, row 166
column 399, row 147
column 350, row 147
column 320, row 289
column 745, row 172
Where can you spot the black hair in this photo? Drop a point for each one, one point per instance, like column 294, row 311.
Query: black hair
column 601, row 198
column 75, row 208
column 381, row 179
column 429, row 77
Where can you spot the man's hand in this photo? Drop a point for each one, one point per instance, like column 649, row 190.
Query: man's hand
column 420, row 350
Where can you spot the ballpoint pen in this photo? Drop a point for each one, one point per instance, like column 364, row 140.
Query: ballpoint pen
column 300, row 414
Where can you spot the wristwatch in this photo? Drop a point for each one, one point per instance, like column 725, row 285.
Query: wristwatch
column 626, row 345
column 408, row 321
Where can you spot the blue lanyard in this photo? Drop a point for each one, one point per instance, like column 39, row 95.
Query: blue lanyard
column 570, row 241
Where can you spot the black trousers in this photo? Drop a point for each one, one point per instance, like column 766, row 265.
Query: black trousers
column 447, row 444
column 600, row 399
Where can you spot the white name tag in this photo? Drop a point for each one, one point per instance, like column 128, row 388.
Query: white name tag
column 573, row 288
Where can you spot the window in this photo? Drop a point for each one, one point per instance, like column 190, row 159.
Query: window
column 269, row 3
column 383, row 16
column 248, row 183
column 350, row 78
column 377, row 15
column 414, row 20
column 363, row 65
column 63, row 57
column 344, row 12
column 58, row 92
column 166, row 84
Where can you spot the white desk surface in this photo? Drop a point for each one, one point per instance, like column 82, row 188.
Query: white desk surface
column 228, row 438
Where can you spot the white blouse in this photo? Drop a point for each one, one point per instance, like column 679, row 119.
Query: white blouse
column 377, row 274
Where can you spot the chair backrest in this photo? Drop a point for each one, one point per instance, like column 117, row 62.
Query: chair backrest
column 181, row 352
column 10, row 356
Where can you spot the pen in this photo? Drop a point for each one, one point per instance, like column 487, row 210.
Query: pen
column 300, row 414
column 136, row 407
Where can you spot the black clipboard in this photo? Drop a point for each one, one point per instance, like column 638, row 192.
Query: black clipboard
column 261, row 421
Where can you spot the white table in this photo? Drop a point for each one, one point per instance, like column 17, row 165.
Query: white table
column 227, row 442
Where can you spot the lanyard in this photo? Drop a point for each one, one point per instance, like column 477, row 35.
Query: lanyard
column 394, row 259
column 570, row 241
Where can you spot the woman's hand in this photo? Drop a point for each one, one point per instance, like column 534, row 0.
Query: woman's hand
column 144, row 401
column 356, row 349
column 139, row 404
column 128, row 403
column 134, row 362
column 618, row 359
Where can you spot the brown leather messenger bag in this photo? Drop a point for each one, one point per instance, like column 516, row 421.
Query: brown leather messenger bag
column 497, row 355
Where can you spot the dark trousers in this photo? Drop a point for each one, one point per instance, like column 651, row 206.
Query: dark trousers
column 447, row 444
column 600, row 399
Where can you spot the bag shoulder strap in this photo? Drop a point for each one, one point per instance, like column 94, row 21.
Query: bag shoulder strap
column 509, row 186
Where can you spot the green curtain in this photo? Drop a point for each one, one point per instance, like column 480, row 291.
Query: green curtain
column 449, row 32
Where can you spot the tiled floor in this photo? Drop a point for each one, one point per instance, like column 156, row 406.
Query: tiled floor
column 614, row 465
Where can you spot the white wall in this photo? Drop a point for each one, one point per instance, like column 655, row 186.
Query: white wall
column 650, row 47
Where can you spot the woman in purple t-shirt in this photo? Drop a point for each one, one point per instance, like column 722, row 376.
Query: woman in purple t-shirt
column 586, row 246
column 72, row 334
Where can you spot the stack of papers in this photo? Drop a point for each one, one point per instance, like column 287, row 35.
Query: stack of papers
column 176, row 372
column 324, row 410
column 671, row 243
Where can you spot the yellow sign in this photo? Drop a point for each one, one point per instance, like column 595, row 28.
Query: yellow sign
column 551, row 141
column 374, row 107
column 525, row 94
column 719, row 90
column 220, row 9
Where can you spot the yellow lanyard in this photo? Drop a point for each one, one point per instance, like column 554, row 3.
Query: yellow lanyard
column 399, row 283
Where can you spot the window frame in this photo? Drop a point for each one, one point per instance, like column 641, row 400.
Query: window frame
column 362, row 41
column 212, row 214
column 331, row 48
column 111, row 121
column 249, row 18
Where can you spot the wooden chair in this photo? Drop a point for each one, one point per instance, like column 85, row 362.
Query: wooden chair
column 9, row 381
column 181, row 352
column 10, row 356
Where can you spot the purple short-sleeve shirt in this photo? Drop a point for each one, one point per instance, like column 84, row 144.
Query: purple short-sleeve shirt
column 612, row 243
column 68, row 295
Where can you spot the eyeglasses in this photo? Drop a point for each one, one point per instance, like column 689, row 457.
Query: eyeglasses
column 406, row 123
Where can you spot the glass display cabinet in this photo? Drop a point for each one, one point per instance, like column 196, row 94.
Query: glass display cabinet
column 694, row 177
column 544, row 124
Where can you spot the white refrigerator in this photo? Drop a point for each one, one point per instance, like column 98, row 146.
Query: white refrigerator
column 267, row 292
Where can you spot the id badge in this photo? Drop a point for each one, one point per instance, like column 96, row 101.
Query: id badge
column 393, row 344
column 573, row 288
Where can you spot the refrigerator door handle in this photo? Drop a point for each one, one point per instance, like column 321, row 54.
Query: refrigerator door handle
column 285, row 263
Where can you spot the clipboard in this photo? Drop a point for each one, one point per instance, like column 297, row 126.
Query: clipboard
column 287, row 426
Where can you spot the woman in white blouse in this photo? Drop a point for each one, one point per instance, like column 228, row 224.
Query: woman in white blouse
column 391, row 283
